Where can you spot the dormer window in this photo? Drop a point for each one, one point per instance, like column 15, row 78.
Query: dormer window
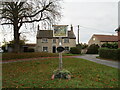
column 44, row 40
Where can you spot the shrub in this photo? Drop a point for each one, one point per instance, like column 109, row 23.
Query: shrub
column 82, row 46
column 109, row 53
column 75, row 50
column 110, row 45
column 93, row 49
column 64, row 74
column 31, row 50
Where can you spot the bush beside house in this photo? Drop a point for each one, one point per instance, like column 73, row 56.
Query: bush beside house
column 107, row 53
column 75, row 50
column 93, row 49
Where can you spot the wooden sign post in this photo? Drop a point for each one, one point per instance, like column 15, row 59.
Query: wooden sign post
column 60, row 31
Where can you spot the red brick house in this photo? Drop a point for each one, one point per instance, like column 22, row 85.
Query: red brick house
column 101, row 39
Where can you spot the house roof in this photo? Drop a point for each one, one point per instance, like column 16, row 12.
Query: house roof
column 107, row 38
column 49, row 34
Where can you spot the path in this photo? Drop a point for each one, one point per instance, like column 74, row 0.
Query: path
column 93, row 58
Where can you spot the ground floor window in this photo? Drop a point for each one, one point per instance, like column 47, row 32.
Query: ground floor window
column 45, row 49
column 66, row 48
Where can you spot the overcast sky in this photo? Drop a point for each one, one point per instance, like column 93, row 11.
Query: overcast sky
column 93, row 16
column 100, row 17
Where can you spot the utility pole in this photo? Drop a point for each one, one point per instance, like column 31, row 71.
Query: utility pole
column 78, row 34
column 118, row 31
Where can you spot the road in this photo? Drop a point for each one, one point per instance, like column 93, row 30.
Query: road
column 93, row 58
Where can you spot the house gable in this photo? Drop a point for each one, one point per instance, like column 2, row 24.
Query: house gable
column 100, row 39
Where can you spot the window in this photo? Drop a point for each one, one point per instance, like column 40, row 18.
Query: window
column 66, row 48
column 45, row 49
column 66, row 40
column 44, row 40
column 94, row 39
column 54, row 40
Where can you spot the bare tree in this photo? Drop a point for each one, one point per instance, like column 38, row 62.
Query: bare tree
column 29, row 11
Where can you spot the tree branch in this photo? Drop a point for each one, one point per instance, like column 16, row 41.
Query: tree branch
column 7, row 18
column 20, row 24
column 35, row 20
column 6, row 23
column 44, row 8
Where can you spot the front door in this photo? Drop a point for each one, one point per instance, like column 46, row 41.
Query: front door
column 54, row 49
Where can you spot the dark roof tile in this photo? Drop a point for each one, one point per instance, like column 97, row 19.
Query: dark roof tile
column 49, row 34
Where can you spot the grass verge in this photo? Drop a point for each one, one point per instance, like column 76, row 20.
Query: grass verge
column 15, row 56
column 37, row 74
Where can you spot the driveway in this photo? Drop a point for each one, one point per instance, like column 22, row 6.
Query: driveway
column 93, row 58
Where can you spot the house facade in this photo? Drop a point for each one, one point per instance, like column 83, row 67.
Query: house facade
column 28, row 47
column 47, row 43
column 101, row 39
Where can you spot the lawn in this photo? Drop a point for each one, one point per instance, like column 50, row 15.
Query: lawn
column 37, row 74
column 14, row 56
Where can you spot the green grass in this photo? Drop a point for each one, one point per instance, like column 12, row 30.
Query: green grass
column 14, row 56
column 70, row 54
column 37, row 74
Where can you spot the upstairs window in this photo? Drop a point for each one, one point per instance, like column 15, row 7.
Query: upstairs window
column 66, row 40
column 54, row 40
column 44, row 40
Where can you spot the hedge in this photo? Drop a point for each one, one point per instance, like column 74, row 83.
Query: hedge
column 113, row 54
column 75, row 50
column 12, row 56
column 93, row 49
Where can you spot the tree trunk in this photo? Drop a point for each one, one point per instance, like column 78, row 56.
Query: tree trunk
column 16, row 39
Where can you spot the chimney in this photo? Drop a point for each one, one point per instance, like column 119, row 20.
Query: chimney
column 71, row 27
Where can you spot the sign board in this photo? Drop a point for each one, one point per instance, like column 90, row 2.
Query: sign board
column 60, row 30
column 60, row 49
